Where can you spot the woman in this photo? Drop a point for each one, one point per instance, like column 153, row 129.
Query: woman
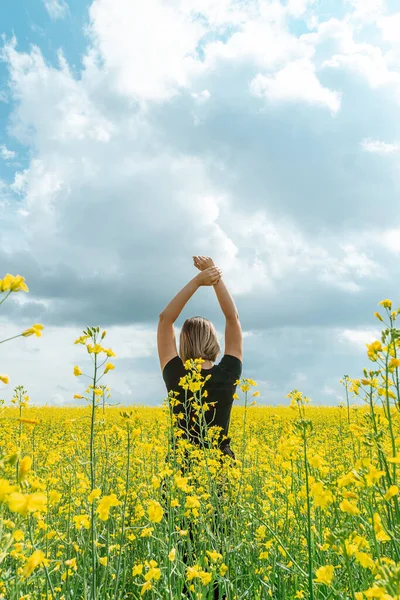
column 198, row 339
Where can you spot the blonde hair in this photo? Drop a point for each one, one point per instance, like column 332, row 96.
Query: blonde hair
column 198, row 339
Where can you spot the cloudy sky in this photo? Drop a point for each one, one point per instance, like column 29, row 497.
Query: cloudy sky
column 134, row 135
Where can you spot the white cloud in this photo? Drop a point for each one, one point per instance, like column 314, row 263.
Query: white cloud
column 367, row 11
column 145, row 63
column 263, row 42
column 6, row 154
column 296, row 82
column 329, row 391
column 297, row 8
column 390, row 28
column 148, row 48
column 100, row 156
column 57, row 9
column 222, row 13
column 283, row 252
column 390, row 239
column 51, row 358
column 379, row 147
column 358, row 337
column 367, row 61
column 299, row 378
column 202, row 96
column 336, row 48
column 333, row 30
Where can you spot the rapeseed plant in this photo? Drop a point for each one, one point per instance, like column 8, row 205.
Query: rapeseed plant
column 91, row 508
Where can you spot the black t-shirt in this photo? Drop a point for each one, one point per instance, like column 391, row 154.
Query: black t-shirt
column 220, row 387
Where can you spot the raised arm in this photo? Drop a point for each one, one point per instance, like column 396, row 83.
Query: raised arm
column 233, row 329
column 166, row 342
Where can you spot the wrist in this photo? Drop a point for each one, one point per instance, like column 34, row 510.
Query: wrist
column 196, row 280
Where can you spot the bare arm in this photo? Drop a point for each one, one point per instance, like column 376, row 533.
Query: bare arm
column 166, row 342
column 172, row 311
column 233, row 330
column 225, row 301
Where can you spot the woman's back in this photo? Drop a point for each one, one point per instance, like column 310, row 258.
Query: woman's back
column 220, row 388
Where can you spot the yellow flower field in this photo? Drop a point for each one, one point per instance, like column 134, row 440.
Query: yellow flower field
column 90, row 509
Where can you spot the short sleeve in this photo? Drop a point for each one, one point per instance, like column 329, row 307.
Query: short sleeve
column 232, row 365
column 172, row 372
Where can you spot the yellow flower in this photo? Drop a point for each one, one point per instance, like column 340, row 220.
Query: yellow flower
column 77, row 371
column 29, row 421
column 103, row 508
column 172, row 555
column 13, row 283
column 109, row 367
column 391, row 492
column 33, row 561
column 192, row 572
column 103, row 561
column 322, row 496
column 94, row 494
column 78, row 397
column 205, row 577
column 155, row 511
column 18, row 535
column 386, row 304
column 24, row 467
column 192, row 502
column 365, row 560
column 82, row 521
column 380, row 533
column 235, row 397
column 96, row 349
column 36, row 329
column 54, row 497
column 153, row 573
column 24, row 504
column 137, row 570
column 373, row 476
column 324, row 575
column 145, row 587
column 4, row 379
column 373, row 350
column 214, row 555
column 348, row 507
column 377, row 592
column 71, row 562
column 82, row 339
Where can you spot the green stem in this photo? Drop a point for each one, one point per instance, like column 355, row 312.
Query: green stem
column 93, row 482
column 11, row 338
column 121, row 540
column 5, row 298
column 309, row 540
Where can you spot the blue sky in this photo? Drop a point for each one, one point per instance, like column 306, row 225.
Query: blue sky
column 133, row 135
column 31, row 24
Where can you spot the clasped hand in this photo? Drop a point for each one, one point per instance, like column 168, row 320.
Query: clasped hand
column 209, row 273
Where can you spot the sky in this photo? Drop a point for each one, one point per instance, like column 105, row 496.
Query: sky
column 134, row 135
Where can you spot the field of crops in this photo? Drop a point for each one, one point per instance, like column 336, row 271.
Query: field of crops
column 309, row 509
